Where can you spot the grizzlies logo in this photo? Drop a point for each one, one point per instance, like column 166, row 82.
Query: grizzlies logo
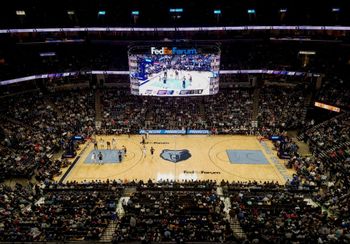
column 175, row 155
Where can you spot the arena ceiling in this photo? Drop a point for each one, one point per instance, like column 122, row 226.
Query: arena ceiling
column 82, row 13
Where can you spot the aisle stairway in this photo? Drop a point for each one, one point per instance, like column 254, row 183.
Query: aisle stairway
column 307, row 104
column 236, row 228
column 107, row 235
column 54, row 107
column 256, row 98
column 98, row 109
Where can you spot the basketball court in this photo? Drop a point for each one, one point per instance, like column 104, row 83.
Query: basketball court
column 180, row 157
column 175, row 83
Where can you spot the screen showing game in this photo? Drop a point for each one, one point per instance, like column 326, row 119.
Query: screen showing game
column 174, row 70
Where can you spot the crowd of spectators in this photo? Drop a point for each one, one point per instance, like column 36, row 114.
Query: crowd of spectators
column 175, row 113
column 229, row 112
column 75, row 214
column 327, row 137
column 16, row 214
column 56, row 213
column 122, row 112
column 15, row 164
column 330, row 143
column 21, row 157
column 328, row 171
column 281, row 108
column 35, row 126
column 274, row 215
column 190, row 211
column 334, row 91
column 175, row 211
column 330, row 178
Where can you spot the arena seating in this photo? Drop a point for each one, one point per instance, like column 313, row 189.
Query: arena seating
column 16, row 215
column 51, row 129
column 276, row 216
column 191, row 212
column 276, row 59
column 171, row 211
column 313, row 206
column 327, row 137
column 57, row 212
column 124, row 112
column 230, row 112
column 35, row 126
column 334, row 91
column 281, row 108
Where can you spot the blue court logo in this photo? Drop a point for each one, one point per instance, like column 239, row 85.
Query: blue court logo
column 175, row 155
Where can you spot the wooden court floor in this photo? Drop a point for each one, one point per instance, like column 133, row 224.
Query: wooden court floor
column 208, row 160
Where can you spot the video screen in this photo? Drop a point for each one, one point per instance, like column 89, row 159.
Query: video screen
column 174, row 71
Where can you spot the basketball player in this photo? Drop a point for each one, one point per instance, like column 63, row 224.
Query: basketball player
column 100, row 157
column 93, row 157
column 120, row 157
column 184, row 82
column 114, row 143
column 144, row 150
column 95, row 145
column 108, row 145
column 152, row 151
column 124, row 150
column 176, row 75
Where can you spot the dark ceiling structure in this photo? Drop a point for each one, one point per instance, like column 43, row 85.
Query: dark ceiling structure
column 82, row 13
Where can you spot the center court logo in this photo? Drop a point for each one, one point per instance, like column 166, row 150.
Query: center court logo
column 172, row 51
column 175, row 155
